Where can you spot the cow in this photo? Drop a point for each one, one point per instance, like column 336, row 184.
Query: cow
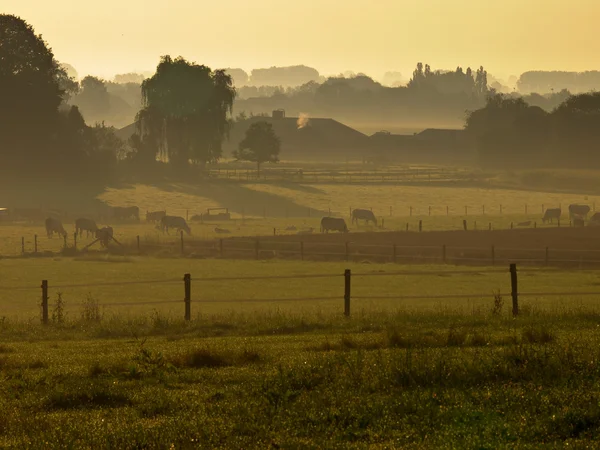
column 176, row 222
column 104, row 235
column 551, row 214
column 54, row 226
column 87, row 225
column 578, row 210
column 126, row 212
column 363, row 214
column 333, row 224
column 155, row 216
column 594, row 220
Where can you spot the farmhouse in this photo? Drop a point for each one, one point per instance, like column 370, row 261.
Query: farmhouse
column 302, row 138
column 439, row 146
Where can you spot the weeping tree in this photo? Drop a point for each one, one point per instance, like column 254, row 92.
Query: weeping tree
column 186, row 113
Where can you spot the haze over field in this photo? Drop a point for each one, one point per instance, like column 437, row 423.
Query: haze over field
column 507, row 37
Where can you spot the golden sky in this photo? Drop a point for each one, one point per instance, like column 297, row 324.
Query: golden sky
column 370, row 36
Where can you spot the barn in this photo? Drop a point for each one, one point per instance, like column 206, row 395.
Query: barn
column 302, row 138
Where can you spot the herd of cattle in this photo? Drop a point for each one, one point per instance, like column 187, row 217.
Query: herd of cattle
column 577, row 213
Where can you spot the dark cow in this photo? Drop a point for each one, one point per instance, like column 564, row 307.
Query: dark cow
column 104, row 235
column 54, row 226
column 155, row 216
column 551, row 214
column 363, row 214
column 578, row 210
column 333, row 224
column 176, row 222
column 87, row 225
column 126, row 212
column 594, row 220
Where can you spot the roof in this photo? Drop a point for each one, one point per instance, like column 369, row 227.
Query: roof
column 318, row 136
column 318, row 133
column 439, row 133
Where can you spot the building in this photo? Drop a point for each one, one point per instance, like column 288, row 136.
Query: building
column 431, row 146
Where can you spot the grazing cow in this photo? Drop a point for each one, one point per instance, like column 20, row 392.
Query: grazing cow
column 551, row 214
column 155, row 216
column 595, row 220
column 104, row 235
column 54, row 226
column 126, row 212
column 176, row 222
column 578, row 210
column 87, row 225
column 363, row 214
column 333, row 224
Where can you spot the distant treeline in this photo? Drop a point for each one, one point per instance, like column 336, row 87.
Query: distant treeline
column 554, row 81
column 509, row 133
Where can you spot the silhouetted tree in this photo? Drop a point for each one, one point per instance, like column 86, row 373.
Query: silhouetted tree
column 30, row 93
column 187, row 112
column 260, row 145
column 93, row 99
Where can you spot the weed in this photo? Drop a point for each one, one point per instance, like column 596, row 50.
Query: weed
column 90, row 309
column 58, row 311
column 498, row 304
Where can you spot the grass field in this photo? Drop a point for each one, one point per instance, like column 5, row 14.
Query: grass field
column 456, row 373
column 295, row 200
column 257, row 367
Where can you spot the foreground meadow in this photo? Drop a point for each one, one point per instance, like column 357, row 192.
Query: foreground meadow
column 253, row 370
column 441, row 378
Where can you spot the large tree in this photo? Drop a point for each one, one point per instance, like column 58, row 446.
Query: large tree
column 186, row 112
column 260, row 145
column 30, row 93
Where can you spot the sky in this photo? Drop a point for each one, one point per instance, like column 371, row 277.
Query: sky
column 506, row 37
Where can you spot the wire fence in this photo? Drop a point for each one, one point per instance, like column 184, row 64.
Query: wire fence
column 350, row 281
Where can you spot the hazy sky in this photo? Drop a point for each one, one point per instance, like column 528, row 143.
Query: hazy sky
column 507, row 37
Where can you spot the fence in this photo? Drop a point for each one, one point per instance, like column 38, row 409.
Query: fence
column 347, row 276
column 316, row 250
column 349, row 176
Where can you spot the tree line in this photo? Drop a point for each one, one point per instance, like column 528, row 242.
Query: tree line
column 509, row 133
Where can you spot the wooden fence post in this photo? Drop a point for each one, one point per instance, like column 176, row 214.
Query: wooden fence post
column 493, row 255
column 410, row 211
column 390, row 211
column 181, row 241
column 75, row 240
column 45, row 302
column 347, row 286
column 35, row 244
column 447, row 210
column 500, row 209
column 514, row 290
column 406, row 226
column 301, row 250
column 138, row 242
column 464, row 224
column 444, row 253
column 347, row 250
column 187, row 282
column 274, row 231
column 257, row 249
column 420, row 226
column 65, row 241
column 22, row 245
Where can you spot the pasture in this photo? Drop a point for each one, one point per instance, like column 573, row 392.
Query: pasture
column 272, row 361
column 396, row 373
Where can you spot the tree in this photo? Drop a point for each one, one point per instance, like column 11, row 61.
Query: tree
column 186, row 112
column 93, row 99
column 260, row 145
column 31, row 95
